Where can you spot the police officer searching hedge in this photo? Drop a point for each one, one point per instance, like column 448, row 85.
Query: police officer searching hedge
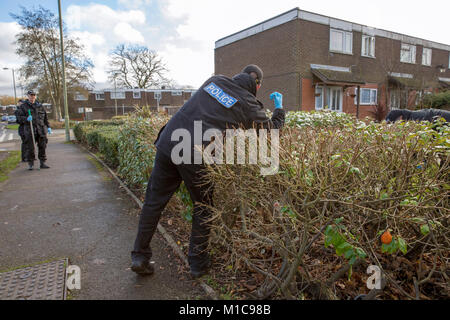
column 31, row 114
column 237, row 107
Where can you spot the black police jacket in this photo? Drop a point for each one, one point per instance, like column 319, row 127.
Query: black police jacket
column 40, row 119
column 220, row 103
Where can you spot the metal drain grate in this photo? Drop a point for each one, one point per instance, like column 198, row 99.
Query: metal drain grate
column 40, row 282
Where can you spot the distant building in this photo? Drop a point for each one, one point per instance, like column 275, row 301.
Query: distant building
column 102, row 102
column 318, row 61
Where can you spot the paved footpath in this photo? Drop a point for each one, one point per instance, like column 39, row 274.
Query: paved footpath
column 76, row 210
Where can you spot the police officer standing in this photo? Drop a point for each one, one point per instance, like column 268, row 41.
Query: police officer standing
column 31, row 114
column 220, row 103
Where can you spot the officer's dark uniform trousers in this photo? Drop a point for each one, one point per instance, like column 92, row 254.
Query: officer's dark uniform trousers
column 164, row 181
column 27, row 145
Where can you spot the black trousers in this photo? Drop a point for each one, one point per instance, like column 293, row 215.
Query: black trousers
column 164, row 181
column 22, row 149
column 28, row 150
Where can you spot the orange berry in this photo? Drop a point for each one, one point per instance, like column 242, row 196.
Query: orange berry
column 386, row 238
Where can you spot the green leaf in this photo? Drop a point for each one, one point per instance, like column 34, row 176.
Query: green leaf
column 343, row 247
column 418, row 220
column 402, row 245
column 360, row 252
column 337, row 239
column 425, row 229
column 352, row 261
column 348, row 254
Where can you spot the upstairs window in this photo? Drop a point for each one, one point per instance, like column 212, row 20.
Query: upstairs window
column 368, row 46
column 99, row 96
column 177, row 93
column 118, row 95
column 341, row 41
column 136, row 94
column 80, row 97
column 426, row 56
column 408, row 53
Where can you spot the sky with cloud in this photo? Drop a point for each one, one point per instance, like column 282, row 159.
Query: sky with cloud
column 183, row 32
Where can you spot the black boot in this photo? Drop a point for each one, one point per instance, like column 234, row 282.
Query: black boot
column 142, row 266
column 195, row 274
column 44, row 166
column 30, row 165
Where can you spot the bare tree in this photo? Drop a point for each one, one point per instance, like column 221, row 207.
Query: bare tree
column 38, row 43
column 137, row 67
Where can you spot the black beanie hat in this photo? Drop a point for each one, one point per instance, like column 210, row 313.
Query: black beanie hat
column 254, row 68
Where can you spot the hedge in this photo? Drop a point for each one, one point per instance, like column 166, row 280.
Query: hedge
column 341, row 185
column 337, row 191
column 102, row 137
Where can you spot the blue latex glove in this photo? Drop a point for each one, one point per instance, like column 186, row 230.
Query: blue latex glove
column 49, row 130
column 30, row 118
column 277, row 99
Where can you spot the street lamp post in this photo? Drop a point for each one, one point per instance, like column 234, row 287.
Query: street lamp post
column 14, row 84
column 63, row 65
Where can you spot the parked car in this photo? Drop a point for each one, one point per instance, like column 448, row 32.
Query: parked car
column 12, row 119
column 5, row 117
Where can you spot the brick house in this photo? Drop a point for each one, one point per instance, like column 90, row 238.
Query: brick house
column 103, row 102
column 320, row 62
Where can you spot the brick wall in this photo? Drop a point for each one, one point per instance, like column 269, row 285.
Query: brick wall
column 276, row 52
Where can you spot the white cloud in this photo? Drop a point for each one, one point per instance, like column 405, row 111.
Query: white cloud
column 96, row 49
column 126, row 33
column 101, row 17
column 132, row 4
column 100, row 29
column 8, row 58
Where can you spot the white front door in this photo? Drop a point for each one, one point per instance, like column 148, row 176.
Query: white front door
column 335, row 99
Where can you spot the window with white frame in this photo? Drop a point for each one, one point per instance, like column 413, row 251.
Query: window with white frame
column 341, row 41
column 99, row 96
column 367, row 96
column 368, row 46
column 80, row 97
column 118, row 95
column 136, row 94
column 426, row 56
column 157, row 95
column 332, row 101
column 408, row 53
column 177, row 93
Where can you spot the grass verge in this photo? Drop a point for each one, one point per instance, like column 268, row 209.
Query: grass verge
column 8, row 164
column 12, row 127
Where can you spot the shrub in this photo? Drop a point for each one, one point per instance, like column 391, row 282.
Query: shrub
column 301, row 119
column 439, row 100
column 136, row 149
column 338, row 190
column 108, row 142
